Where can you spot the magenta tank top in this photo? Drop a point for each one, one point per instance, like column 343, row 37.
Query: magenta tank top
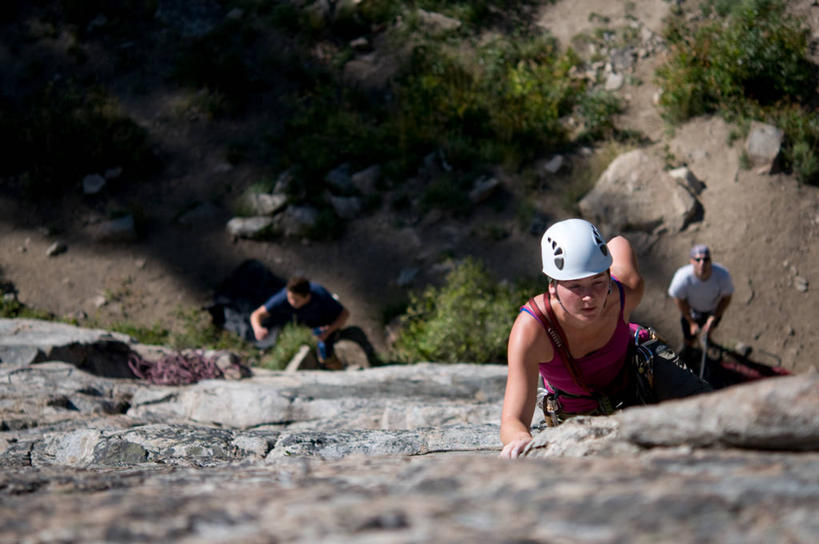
column 599, row 368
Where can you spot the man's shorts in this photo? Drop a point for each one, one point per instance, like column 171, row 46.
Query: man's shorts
column 699, row 318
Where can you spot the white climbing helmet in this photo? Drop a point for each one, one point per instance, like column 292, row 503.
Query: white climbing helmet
column 573, row 249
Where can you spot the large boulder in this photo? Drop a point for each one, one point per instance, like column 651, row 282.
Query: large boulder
column 636, row 193
column 29, row 341
column 763, row 145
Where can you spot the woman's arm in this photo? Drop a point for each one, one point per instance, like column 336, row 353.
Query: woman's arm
column 624, row 267
column 527, row 347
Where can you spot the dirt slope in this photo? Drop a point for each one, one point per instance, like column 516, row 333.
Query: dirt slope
column 763, row 228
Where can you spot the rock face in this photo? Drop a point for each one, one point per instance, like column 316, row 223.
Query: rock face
column 635, row 193
column 386, row 454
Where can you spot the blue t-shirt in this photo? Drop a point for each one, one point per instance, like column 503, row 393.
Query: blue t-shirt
column 322, row 309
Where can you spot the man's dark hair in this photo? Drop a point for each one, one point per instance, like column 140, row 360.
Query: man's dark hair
column 299, row 285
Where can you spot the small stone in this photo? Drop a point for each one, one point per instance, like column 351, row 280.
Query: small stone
column 614, row 82
column 483, row 189
column 743, row 349
column 56, row 248
column 800, row 283
column 406, row 276
column 360, row 44
column 302, row 360
column 554, row 165
column 93, row 184
column 121, row 229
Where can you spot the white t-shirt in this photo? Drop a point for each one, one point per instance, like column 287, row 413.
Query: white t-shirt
column 702, row 296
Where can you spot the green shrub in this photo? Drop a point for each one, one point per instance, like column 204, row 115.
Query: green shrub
column 468, row 319
column 447, row 192
column 195, row 330
column 378, row 12
column 759, row 54
column 503, row 99
column 477, row 13
column 81, row 12
column 802, row 140
column 291, row 338
column 14, row 309
column 284, row 16
column 805, row 162
column 597, row 108
column 217, row 62
column 476, row 100
column 64, row 132
column 755, row 64
column 155, row 334
column 331, row 125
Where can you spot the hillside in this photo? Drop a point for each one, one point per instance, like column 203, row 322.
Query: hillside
column 212, row 144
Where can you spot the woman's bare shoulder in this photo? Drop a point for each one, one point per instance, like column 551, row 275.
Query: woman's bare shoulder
column 528, row 339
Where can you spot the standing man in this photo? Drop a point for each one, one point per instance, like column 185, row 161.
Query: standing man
column 310, row 304
column 702, row 291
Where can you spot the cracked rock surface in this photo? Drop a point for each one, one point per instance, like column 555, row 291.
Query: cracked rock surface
column 387, row 454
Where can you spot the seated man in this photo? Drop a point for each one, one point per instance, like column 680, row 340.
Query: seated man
column 309, row 304
column 702, row 291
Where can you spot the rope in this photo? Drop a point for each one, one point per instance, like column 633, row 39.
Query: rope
column 175, row 369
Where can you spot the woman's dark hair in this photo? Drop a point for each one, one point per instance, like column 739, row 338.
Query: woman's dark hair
column 299, row 285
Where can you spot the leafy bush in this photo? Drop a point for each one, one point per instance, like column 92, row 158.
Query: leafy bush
column 331, row 125
column 754, row 64
column 59, row 135
column 802, row 140
column 196, row 330
column 291, row 338
column 447, row 192
column 598, row 109
column 468, row 319
column 759, row 54
column 217, row 62
column 155, row 334
column 475, row 100
column 506, row 96
column 11, row 308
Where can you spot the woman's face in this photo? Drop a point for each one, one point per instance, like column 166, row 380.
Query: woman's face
column 584, row 298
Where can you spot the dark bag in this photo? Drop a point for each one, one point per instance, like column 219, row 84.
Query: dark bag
column 247, row 288
column 657, row 372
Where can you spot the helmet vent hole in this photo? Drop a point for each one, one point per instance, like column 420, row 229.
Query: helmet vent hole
column 559, row 263
column 559, row 251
